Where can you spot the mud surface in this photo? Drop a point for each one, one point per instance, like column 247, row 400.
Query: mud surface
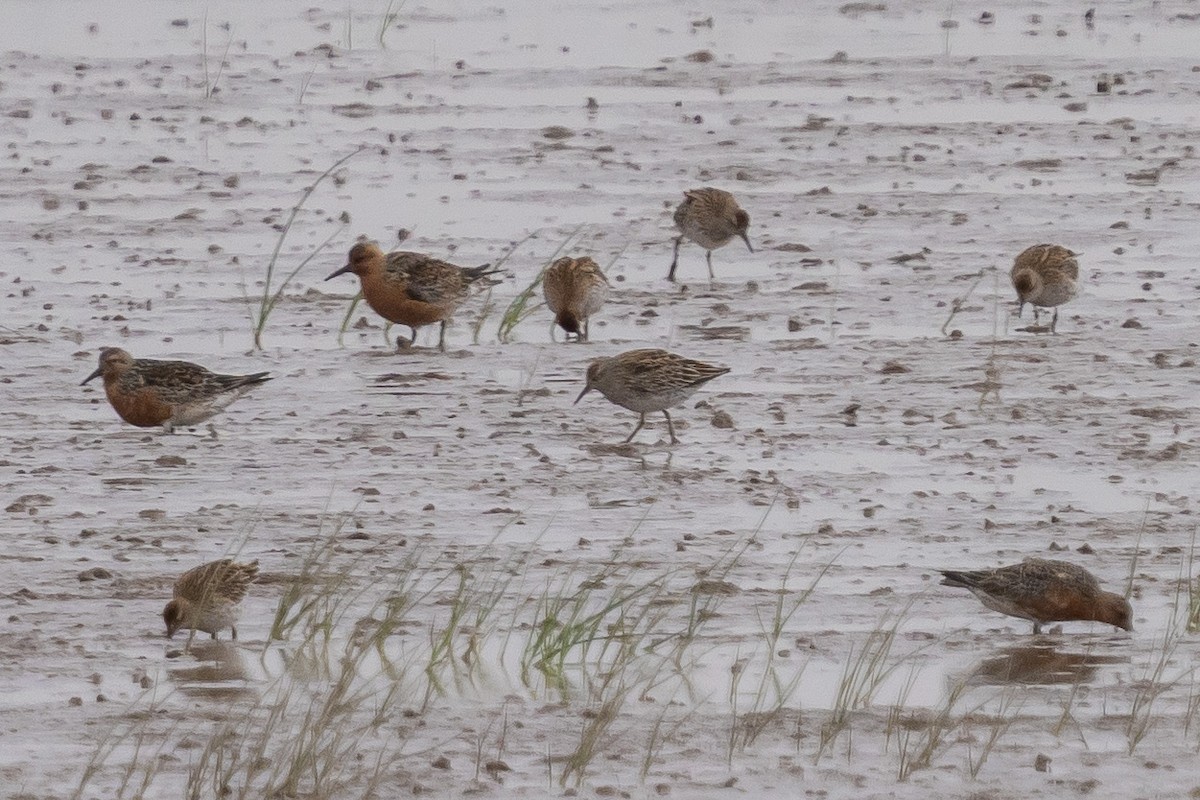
column 886, row 413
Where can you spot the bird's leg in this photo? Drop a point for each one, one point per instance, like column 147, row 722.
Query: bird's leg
column 214, row 635
column 442, row 337
column 1037, row 314
column 1037, row 628
column 586, row 322
column 670, row 427
column 675, row 259
column 1054, row 320
column 708, row 258
column 233, row 629
column 638, row 427
column 403, row 344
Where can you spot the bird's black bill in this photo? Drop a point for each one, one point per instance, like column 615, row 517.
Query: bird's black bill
column 341, row 271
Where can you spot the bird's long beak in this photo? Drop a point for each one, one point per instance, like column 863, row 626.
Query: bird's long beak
column 746, row 239
column 586, row 389
column 341, row 271
column 99, row 371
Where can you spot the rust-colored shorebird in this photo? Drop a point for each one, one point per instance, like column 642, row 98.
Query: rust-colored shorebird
column 648, row 380
column 146, row 392
column 710, row 218
column 1045, row 276
column 208, row 598
column 574, row 288
column 1043, row 590
column 411, row 289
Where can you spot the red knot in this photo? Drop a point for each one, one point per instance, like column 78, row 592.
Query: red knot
column 146, row 392
column 1042, row 590
column 411, row 289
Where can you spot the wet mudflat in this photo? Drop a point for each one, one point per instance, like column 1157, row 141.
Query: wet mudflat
column 471, row 586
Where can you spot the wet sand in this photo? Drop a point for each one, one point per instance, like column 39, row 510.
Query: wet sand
column 892, row 166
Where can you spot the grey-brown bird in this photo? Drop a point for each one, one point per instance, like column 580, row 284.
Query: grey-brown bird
column 1045, row 276
column 411, row 289
column 146, row 392
column 1042, row 590
column 710, row 218
column 648, row 380
column 208, row 598
column 575, row 289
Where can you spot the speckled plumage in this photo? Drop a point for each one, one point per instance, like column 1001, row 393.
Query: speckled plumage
column 1045, row 276
column 574, row 288
column 648, row 380
column 1044, row 590
column 411, row 289
column 207, row 598
column 710, row 218
column 146, row 392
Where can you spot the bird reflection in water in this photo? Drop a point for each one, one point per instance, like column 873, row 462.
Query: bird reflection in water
column 217, row 673
column 1039, row 664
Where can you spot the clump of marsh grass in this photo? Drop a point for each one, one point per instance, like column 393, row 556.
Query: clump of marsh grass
column 661, row 732
column 479, row 593
column 489, row 304
column 956, row 305
column 339, row 687
column 1149, row 688
column 348, row 28
column 304, row 82
column 345, row 326
column 132, row 738
column 388, row 19
column 1067, row 704
column 590, row 621
column 271, row 297
column 998, row 725
column 210, row 83
column 773, row 690
column 703, row 606
column 1153, row 682
column 1191, row 620
column 918, row 751
column 356, row 649
column 307, row 731
column 867, row 667
column 625, row 671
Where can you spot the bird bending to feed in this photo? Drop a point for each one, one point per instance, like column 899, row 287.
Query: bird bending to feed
column 410, row 288
column 1042, row 590
column 1045, row 276
column 207, row 598
column 648, row 380
column 710, row 218
column 145, row 392
column 574, row 288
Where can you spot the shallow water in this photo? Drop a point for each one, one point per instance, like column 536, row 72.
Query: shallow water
column 142, row 213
